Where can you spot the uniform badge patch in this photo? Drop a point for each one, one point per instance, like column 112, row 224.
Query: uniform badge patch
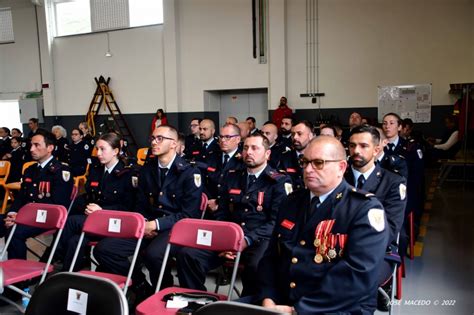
column 420, row 153
column 197, row 180
column 288, row 188
column 66, row 176
column 403, row 191
column 376, row 219
column 134, row 181
column 287, row 224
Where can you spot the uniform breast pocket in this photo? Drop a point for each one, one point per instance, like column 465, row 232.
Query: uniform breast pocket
column 235, row 196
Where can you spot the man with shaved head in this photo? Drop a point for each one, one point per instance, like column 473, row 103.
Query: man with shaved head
column 328, row 243
column 208, row 144
column 270, row 130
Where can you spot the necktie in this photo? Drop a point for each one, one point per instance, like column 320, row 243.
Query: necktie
column 204, row 145
column 300, row 156
column 226, row 159
column 360, row 181
column 391, row 146
column 313, row 205
column 163, row 171
column 250, row 180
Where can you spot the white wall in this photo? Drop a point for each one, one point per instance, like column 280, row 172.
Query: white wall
column 19, row 62
column 367, row 43
column 207, row 45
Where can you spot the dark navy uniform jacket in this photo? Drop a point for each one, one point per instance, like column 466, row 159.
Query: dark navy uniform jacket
column 89, row 140
column 189, row 143
column 287, row 142
column 214, row 174
column 390, row 190
column 78, row 154
column 275, row 157
column 394, row 163
column 114, row 191
column 178, row 198
column 60, row 181
column 61, row 150
column 289, row 165
column 240, row 205
column 288, row 273
column 198, row 153
column 16, row 164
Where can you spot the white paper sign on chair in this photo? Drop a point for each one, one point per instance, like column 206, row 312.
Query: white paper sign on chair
column 77, row 301
column 41, row 216
column 204, row 237
column 115, row 225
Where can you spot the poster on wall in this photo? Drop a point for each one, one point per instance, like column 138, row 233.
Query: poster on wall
column 408, row 101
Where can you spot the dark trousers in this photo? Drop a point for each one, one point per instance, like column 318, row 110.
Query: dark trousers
column 114, row 255
column 194, row 264
column 17, row 247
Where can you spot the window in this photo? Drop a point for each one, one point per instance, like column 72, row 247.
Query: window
column 6, row 26
column 10, row 113
column 86, row 16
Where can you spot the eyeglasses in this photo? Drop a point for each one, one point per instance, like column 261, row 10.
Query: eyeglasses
column 227, row 137
column 159, row 138
column 317, row 164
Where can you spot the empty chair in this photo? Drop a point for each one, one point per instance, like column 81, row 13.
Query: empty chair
column 101, row 296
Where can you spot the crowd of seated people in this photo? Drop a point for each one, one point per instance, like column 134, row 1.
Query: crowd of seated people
column 323, row 211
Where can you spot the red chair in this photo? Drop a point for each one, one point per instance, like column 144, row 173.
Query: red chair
column 217, row 236
column 39, row 215
column 116, row 224
column 203, row 205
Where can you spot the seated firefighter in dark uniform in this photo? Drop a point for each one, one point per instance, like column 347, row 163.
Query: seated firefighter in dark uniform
column 48, row 181
column 109, row 186
column 328, row 243
column 250, row 197
column 169, row 189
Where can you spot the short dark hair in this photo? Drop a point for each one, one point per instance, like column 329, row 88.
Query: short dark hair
column 290, row 118
column 330, row 126
column 172, row 129
column 7, row 130
column 34, row 120
column 49, row 138
column 233, row 126
column 17, row 139
column 251, row 118
column 18, row 130
column 407, row 122
column 307, row 123
column 198, row 119
column 78, row 130
column 369, row 129
column 399, row 119
column 265, row 141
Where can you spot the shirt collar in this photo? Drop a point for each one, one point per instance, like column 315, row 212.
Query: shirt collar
column 42, row 165
column 395, row 142
column 169, row 164
column 230, row 154
column 366, row 174
column 209, row 141
column 111, row 168
column 382, row 153
column 258, row 173
column 322, row 197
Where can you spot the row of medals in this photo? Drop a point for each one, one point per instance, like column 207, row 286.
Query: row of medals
column 321, row 248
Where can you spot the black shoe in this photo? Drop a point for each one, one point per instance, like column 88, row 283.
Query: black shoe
column 141, row 292
column 383, row 303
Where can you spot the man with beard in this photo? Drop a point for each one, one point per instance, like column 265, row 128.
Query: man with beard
column 389, row 188
column 282, row 111
column 252, row 198
column 270, row 131
column 301, row 134
column 208, row 144
column 285, row 131
column 328, row 243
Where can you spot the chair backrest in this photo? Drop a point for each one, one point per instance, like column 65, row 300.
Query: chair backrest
column 94, row 152
column 42, row 215
column 26, row 165
column 101, row 296
column 4, row 170
column 207, row 234
column 234, row 308
column 117, row 224
column 141, row 155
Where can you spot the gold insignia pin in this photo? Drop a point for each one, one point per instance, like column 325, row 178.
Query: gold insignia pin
column 339, row 196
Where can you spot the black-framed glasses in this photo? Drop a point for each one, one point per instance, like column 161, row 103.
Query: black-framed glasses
column 227, row 137
column 317, row 164
column 159, row 138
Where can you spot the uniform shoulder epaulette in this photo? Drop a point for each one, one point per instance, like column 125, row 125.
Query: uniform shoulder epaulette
column 286, row 152
column 362, row 193
column 182, row 165
column 274, row 174
column 122, row 171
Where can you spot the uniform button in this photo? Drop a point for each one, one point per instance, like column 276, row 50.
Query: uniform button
column 161, row 193
column 100, row 192
column 246, row 210
column 243, row 223
column 247, row 197
column 302, row 242
column 115, row 191
column 174, row 196
column 294, row 260
column 151, row 194
column 218, row 197
column 34, row 185
column 31, row 195
column 218, row 185
column 160, row 206
column 292, row 285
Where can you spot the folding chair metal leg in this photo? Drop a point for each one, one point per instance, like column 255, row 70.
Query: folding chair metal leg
column 412, row 235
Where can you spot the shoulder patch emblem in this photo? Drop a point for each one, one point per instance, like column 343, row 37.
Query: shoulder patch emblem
column 134, row 181
column 420, row 153
column 197, row 180
column 377, row 219
column 66, row 175
column 403, row 191
column 288, row 188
